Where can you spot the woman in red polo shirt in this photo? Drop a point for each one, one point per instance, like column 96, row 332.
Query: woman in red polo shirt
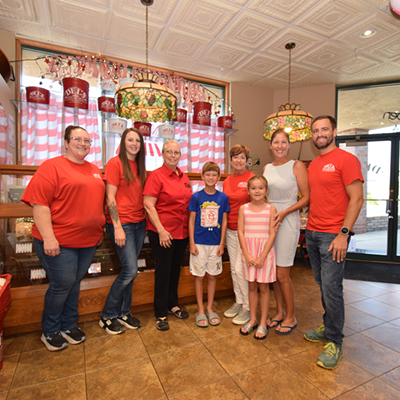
column 125, row 175
column 67, row 196
column 167, row 196
column 235, row 187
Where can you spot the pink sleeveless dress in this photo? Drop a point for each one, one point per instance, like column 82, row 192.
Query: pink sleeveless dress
column 256, row 233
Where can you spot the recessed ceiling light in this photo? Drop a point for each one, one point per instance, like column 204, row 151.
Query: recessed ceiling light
column 356, row 123
column 381, row 123
column 368, row 33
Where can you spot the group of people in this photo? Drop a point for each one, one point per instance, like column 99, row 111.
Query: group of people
column 257, row 217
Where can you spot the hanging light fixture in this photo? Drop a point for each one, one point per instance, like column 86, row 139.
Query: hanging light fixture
column 145, row 100
column 295, row 122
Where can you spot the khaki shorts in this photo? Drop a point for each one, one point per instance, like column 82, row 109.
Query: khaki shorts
column 206, row 261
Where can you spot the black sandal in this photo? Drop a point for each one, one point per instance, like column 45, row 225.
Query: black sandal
column 162, row 324
column 181, row 314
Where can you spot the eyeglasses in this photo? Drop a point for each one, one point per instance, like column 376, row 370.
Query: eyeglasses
column 175, row 153
column 80, row 140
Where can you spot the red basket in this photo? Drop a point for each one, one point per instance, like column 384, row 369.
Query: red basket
column 5, row 295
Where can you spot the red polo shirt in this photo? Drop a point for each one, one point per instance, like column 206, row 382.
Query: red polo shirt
column 173, row 192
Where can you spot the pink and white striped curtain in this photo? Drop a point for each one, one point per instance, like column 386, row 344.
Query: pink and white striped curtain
column 3, row 135
column 198, row 143
column 43, row 127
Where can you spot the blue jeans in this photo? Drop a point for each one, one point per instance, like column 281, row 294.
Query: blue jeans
column 328, row 274
column 119, row 300
column 65, row 272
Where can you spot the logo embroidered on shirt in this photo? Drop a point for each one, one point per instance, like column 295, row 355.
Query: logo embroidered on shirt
column 97, row 176
column 328, row 168
column 242, row 184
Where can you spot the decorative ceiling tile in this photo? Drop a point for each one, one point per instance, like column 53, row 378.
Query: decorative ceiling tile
column 132, row 31
column 204, row 16
column 317, row 78
column 224, row 55
column 74, row 39
column 170, row 62
column 271, row 85
column 388, row 49
column 87, row 19
column 251, row 31
column 354, row 65
column 23, row 28
column 284, row 10
column 327, row 55
column 383, row 25
column 298, row 73
column 26, row 10
column 330, row 17
column 383, row 71
column 239, row 2
column 103, row 3
column 304, row 42
column 260, row 65
column 182, row 44
column 236, row 76
column 377, row 3
column 211, row 71
column 124, row 51
column 160, row 11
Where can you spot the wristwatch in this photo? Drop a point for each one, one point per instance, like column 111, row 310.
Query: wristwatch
column 346, row 231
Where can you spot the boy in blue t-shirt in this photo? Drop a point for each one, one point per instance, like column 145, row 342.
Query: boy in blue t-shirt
column 207, row 229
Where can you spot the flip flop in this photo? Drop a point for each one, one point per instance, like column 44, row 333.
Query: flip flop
column 286, row 333
column 201, row 317
column 181, row 314
column 277, row 323
column 212, row 316
column 248, row 328
column 262, row 330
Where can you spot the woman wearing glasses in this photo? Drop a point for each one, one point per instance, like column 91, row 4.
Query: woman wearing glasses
column 125, row 175
column 166, row 199
column 67, row 196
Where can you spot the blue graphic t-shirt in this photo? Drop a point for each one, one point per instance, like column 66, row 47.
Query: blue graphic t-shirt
column 209, row 209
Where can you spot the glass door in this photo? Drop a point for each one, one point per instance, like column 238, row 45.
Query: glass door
column 376, row 229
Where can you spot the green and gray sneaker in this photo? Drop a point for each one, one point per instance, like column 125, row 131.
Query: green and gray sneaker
column 331, row 356
column 316, row 335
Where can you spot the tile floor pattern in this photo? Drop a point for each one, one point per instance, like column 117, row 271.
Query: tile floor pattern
column 188, row 362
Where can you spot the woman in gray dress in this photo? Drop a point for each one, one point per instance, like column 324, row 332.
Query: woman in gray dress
column 286, row 178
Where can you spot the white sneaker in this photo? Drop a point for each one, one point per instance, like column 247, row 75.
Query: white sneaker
column 242, row 318
column 233, row 311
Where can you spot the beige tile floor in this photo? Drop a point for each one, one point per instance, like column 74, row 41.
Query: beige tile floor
column 188, row 362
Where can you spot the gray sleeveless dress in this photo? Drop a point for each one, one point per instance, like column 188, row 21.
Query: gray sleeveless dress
column 283, row 192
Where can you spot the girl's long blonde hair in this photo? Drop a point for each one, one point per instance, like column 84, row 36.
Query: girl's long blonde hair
column 262, row 179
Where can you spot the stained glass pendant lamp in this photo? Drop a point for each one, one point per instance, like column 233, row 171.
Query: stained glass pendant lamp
column 146, row 100
column 295, row 122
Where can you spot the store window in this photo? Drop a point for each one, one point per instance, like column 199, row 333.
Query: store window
column 42, row 127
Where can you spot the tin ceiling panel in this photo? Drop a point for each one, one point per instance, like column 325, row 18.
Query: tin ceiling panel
column 240, row 36
column 327, row 55
column 225, row 55
column 251, row 31
column 354, row 65
column 160, row 11
column 86, row 19
column 27, row 10
column 382, row 26
column 304, row 42
column 182, row 44
column 388, row 49
column 123, row 51
column 283, row 10
column 76, row 40
column 330, row 17
column 260, row 65
column 297, row 74
column 204, row 17
column 132, row 31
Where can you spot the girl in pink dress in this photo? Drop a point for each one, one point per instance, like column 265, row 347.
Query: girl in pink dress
column 256, row 237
